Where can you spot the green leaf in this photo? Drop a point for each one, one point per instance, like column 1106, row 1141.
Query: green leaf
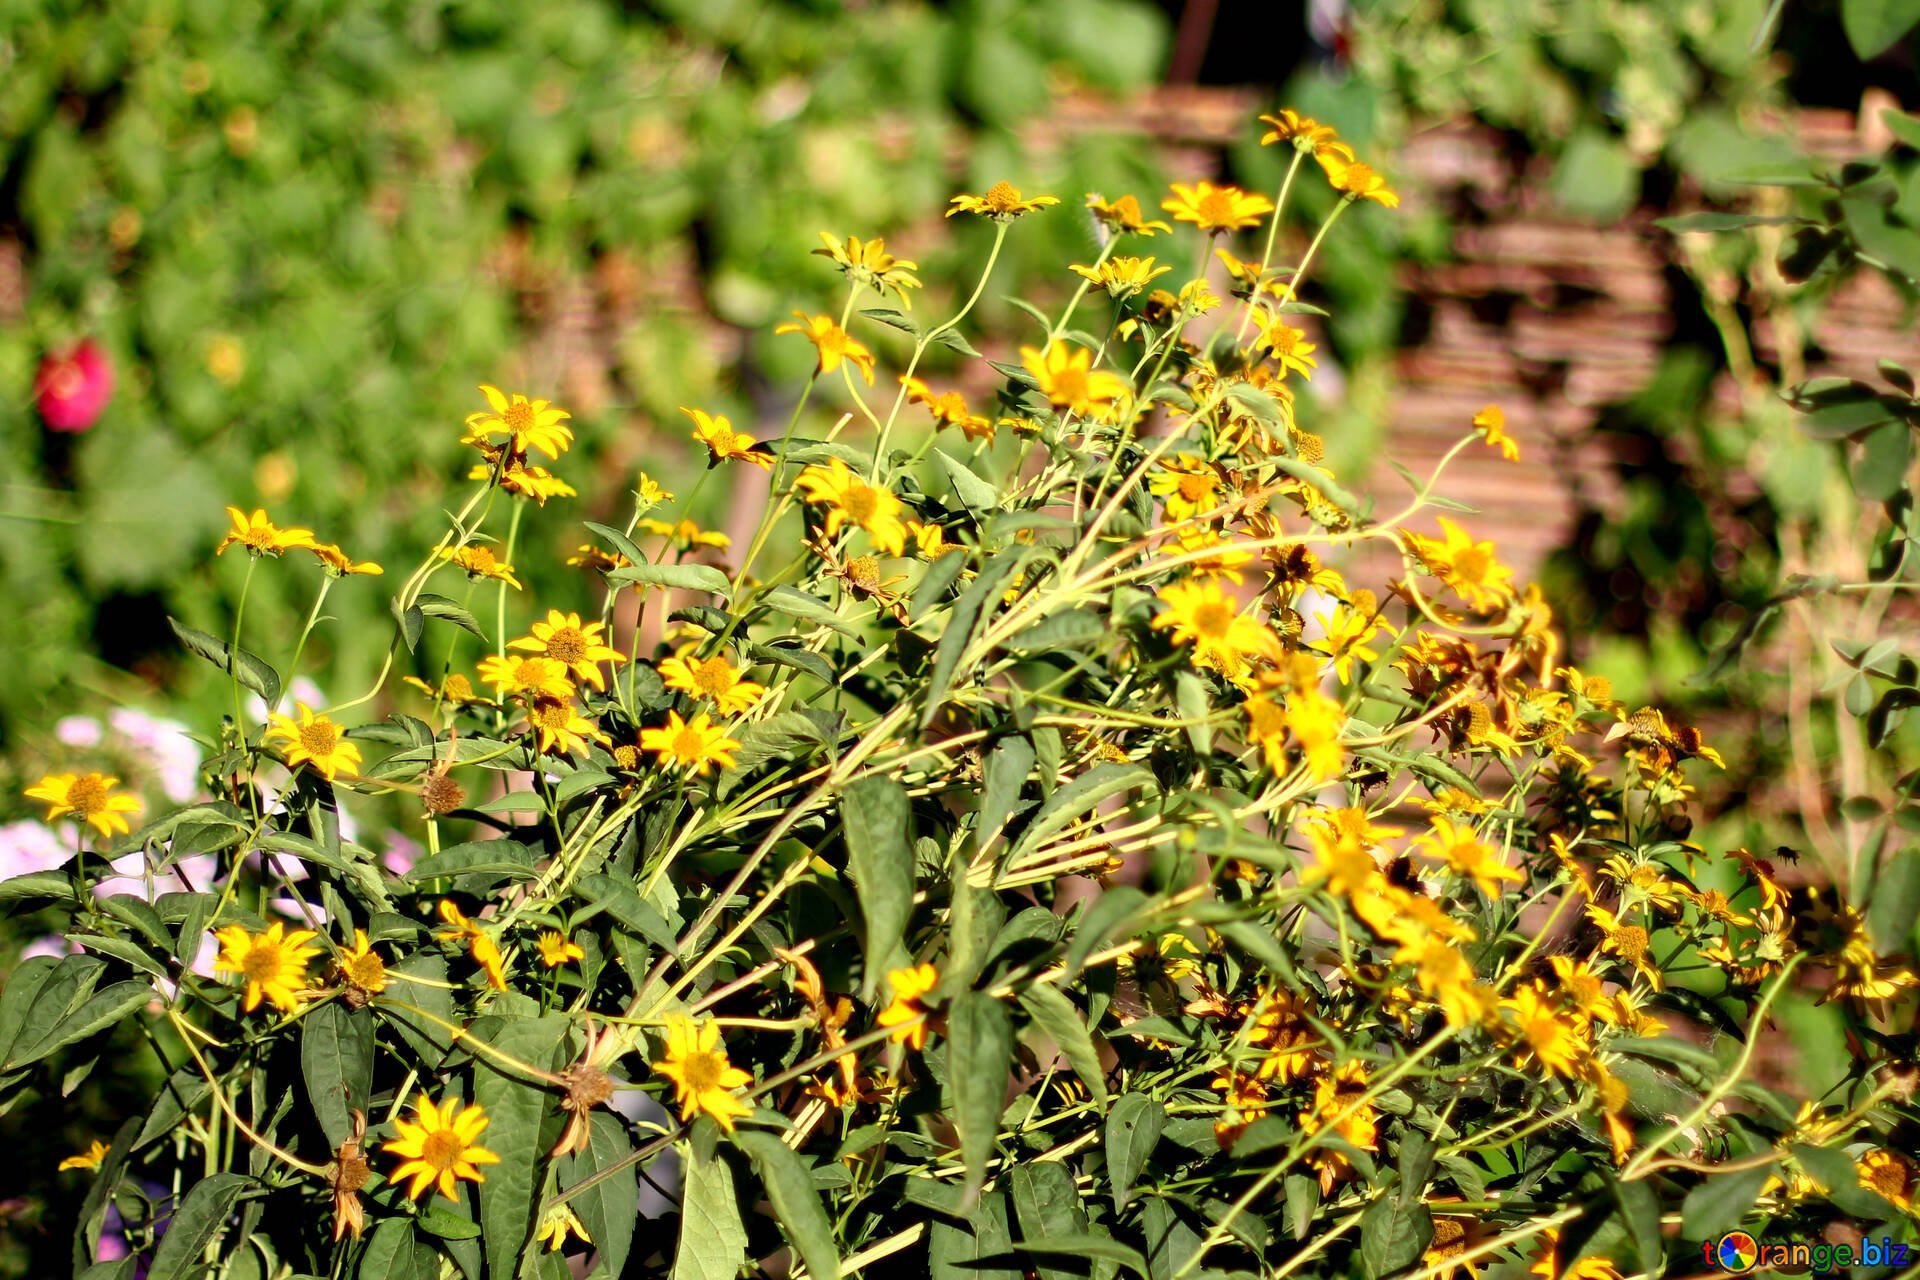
column 798, row 604
column 433, row 606
column 1875, row 26
column 493, row 857
column 1006, row 770
column 411, row 621
column 619, row 541
column 106, row 1182
column 1717, row 1205
column 687, row 577
column 22, row 988
column 976, row 493
column 1392, row 1234
column 979, row 1063
column 1108, row 911
column 518, row 1111
column 249, row 669
column 609, row 1208
column 438, row 1220
column 1640, row 1212
column 713, row 1242
column 1054, row 1014
column 795, row 1202
column 101, row 1010
column 1047, row 1203
column 1133, row 1130
column 878, row 820
column 968, row 610
column 395, row 1252
column 200, row 1218
column 1100, row 1248
column 1078, row 798
column 336, row 1060
column 1724, row 221
column 624, row 903
column 428, row 1039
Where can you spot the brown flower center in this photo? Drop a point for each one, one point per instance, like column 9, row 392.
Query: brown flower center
column 262, row 963
column 441, row 794
column 1630, row 943
column 441, row 1149
column 1214, row 619
column 864, row 572
column 688, row 744
column 518, row 417
column 551, row 715
column 88, row 795
column 1003, row 197
column 567, row 645
column 368, row 972
column 713, row 677
column 702, row 1070
column 1196, row 487
column 480, row 560
column 319, row 738
column 1449, row 1238
column 1216, row 209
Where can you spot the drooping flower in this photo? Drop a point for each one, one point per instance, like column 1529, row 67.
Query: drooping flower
column 560, row 727
column 723, row 442
column 340, row 564
column 313, row 740
column 574, row 644
column 833, row 343
column 848, row 498
column 948, row 408
column 480, row 563
column 703, row 1078
column 480, row 944
column 1124, row 214
column 1122, row 277
column 713, row 678
column 89, row 1159
column 1304, row 132
column 1216, row 209
column 697, row 744
column 908, row 1015
column 557, row 949
column 1002, row 203
column 557, row 1224
column 1354, row 180
column 1491, row 423
column 89, row 797
column 439, row 1146
column 274, row 963
column 868, row 262
column 260, row 536
column 516, row 475
column 72, row 388
column 1067, row 378
column 527, row 424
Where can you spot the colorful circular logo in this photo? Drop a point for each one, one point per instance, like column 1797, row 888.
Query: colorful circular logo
column 1737, row 1252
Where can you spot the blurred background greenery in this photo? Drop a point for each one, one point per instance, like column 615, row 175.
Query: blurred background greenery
column 302, row 232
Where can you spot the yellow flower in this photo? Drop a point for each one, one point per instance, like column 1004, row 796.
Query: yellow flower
column 929, row 540
column 274, row 963
column 1341, row 862
column 1200, row 613
column 556, row 949
column 684, row 533
column 1470, row 568
column 540, row 677
column 1444, row 973
column 1124, row 214
column 869, row 263
column 1340, row 1092
column 557, row 1224
column 455, row 688
column 1584, row 988
column 1186, row 485
column 949, row 408
column 1452, row 1237
column 1290, row 348
column 480, row 944
column 723, row 441
column 315, row 740
column 574, row 644
column 89, row 1159
column 88, row 797
column 516, row 476
column 1122, row 277
column 1546, row 1262
column 479, row 562
column 1491, row 423
column 1315, row 721
column 1224, row 559
column 696, row 743
column 1557, row 1042
column 703, row 1078
column 1628, row 941
column 361, row 966
column 1002, row 203
column 1067, row 378
column 260, row 536
column 340, row 564
column 1894, row 1176
column 1347, row 631
column 1355, row 180
column 1304, row 132
column 527, row 424
column 714, row 678
column 1216, row 209
column 849, row 498
column 833, row 343
column 1465, row 854
column 439, row 1145
column 1860, row 975
column 560, row 725
column 908, row 1016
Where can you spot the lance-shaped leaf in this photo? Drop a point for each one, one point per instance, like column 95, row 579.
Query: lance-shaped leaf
column 796, row 1204
column 713, row 1241
column 336, row 1059
column 979, row 1063
column 877, row 819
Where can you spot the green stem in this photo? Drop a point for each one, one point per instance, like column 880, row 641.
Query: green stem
column 300, row 647
column 1266, row 255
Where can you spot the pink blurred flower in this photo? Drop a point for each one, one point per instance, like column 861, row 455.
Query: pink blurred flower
column 53, row 945
column 30, row 846
column 78, row 731
column 73, row 387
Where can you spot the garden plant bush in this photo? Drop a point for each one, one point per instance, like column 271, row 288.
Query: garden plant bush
column 1035, row 851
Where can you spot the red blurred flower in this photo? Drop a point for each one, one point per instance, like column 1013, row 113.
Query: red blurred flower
column 72, row 388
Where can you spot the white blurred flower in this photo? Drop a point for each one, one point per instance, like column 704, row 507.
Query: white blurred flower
column 78, row 731
column 195, row 873
column 52, row 945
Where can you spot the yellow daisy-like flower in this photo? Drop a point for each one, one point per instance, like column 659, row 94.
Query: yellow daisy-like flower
column 560, row 726
column 684, row 533
column 556, row 949
column 480, row 944
column 1630, row 942
column 848, row 498
column 88, row 797
column 273, row 962
column 1067, row 378
column 1894, row 1176
column 1290, row 348
column 1556, row 1040
column 1186, row 485
column 574, row 644
column 1471, row 568
column 1200, row 613
column 908, row 1016
column 1345, row 635
column 1465, row 854
column 559, row 1223
column 1304, row 132
column 949, row 408
column 1491, row 423
column 1122, row 277
column 697, row 743
column 713, row 678
column 361, row 966
column 340, row 564
column 260, row 536
column 833, row 343
column 1354, row 180
column 1224, row 558
column 723, row 442
column 440, row 1145
column 527, row 424
column 1123, row 214
column 480, row 562
column 1216, row 209
column 517, row 476
column 869, row 263
column 89, row 1159
column 1002, row 203
column 536, row 676
column 314, row 740
column 703, row 1078
column 1547, row 1266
